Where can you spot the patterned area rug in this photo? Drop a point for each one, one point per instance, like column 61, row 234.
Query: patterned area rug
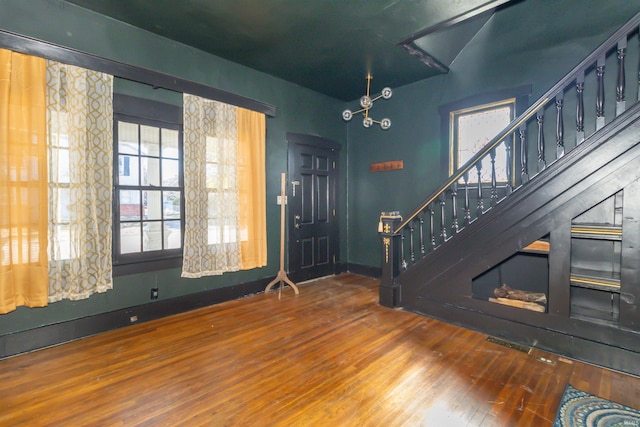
column 578, row 408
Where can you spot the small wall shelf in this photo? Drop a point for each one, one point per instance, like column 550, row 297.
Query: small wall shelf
column 537, row 247
column 595, row 279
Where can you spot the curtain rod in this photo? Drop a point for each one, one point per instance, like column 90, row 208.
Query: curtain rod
column 36, row 47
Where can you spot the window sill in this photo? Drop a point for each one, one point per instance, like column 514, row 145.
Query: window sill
column 146, row 266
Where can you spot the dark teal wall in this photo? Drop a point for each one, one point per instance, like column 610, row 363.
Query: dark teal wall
column 525, row 44
column 517, row 46
column 298, row 110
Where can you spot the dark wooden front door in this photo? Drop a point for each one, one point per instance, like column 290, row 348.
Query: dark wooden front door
column 313, row 227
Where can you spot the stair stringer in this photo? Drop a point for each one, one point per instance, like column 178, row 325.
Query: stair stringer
column 439, row 285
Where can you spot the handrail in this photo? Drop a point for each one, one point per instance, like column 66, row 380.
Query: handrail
column 585, row 64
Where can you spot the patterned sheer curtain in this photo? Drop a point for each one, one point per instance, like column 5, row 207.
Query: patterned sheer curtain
column 211, row 238
column 23, row 184
column 80, row 133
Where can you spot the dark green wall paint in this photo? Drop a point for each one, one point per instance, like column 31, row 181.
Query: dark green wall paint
column 525, row 44
column 299, row 110
column 511, row 50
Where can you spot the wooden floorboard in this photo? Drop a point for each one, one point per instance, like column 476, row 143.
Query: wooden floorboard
column 330, row 356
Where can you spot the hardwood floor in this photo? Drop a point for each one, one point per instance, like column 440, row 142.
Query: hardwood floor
column 328, row 357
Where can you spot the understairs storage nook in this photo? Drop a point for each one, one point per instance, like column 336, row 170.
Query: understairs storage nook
column 551, row 257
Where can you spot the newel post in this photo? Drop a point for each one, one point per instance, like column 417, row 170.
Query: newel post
column 389, row 290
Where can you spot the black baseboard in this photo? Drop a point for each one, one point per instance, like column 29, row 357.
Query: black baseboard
column 50, row 335
column 58, row 333
column 342, row 267
column 589, row 351
column 364, row 270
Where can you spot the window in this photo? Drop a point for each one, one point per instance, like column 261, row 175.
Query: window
column 148, row 189
column 59, row 185
column 469, row 124
column 220, row 191
column 472, row 129
column 153, row 227
column 225, row 204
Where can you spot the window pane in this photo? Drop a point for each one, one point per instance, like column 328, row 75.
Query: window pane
column 150, row 140
column 171, row 204
column 212, row 176
column 130, row 238
column 212, row 149
column 30, row 245
column 62, row 211
column 62, row 246
column 128, row 170
column 172, row 235
column 127, row 138
column 58, row 137
column 129, row 205
column 229, row 234
column 152, row 238
column 170, row 173
column 474, row 131
column 33, row 195
column 19, row 246
column 60, row 165
column 170, row 143
column 501, row 171
column 212, row 202
column 5, row 254
column 214, row 235
column 152, row 201
column 150, row 171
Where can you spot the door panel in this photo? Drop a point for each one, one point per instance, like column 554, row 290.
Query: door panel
column 306, row 198
column 313, row 233
column 322, row 199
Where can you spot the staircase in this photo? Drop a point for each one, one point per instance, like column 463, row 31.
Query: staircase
column 565, row 224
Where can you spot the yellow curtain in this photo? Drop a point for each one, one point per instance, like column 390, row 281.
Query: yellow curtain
column 23, row 182
column 251, row 188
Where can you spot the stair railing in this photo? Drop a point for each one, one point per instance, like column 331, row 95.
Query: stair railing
column 437, row 220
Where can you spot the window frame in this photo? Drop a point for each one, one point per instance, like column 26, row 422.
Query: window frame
column 145, row 112
column 519, row 96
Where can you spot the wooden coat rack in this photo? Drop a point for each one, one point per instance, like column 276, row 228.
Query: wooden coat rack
column 282, row 275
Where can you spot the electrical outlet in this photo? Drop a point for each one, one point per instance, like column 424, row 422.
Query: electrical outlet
column 154, row 293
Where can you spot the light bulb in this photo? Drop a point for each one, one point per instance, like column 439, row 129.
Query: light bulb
column 387, row 92
column 367, row 122
column 385, row 124
column 347, row 115
column 365, row 101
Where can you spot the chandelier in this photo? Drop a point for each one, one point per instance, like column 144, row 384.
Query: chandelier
column 366, row 102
